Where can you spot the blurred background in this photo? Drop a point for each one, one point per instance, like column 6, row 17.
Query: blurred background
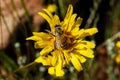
column 19, row 18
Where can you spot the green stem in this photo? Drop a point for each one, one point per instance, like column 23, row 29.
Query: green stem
column 24, row 67
column 62, row 9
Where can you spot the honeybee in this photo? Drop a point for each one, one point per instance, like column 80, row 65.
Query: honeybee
column 61, row 40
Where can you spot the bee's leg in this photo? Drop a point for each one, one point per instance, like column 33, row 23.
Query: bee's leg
column 48, row 31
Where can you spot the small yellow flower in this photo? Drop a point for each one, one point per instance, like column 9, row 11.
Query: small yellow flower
column 52, row 8
column 117, row 58
column 64, row 44
column 118, row 44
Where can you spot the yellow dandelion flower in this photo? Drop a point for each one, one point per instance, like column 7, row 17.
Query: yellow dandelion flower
column 64, row 43
column 117, row 58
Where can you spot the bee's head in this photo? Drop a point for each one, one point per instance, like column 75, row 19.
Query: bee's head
column 58, row 29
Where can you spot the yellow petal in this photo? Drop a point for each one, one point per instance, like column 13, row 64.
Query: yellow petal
column 54, row 59
column 80, row 33
column 80, row 46
column 76, row 62
column 56, row 20
column 48, row 18
column 91, row 31
column 77, row 23
column 76, row 32
column 67, row 17
column 81, row 58
column 52, row 8
column 69, row 12
column 35, row 38
column 47, row 11
column 58, row 68
column 51, row 70
column 71, row 22
column 66, row 57
column 89, row 44
column 40, row 44
column 87, row 53
column 59, row 72
column 46, row 50
column 44, row 60
column 43, row 35
column 40, row 34
column 84, row 44
column 45, row 16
